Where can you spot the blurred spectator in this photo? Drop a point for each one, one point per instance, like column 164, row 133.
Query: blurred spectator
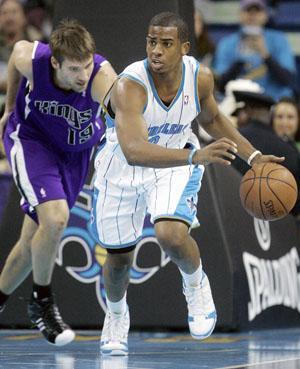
column 13, row 27
column 285, row 121
column 259, row 132
column 257, row 53
column 39, row 14
column 205, row 48
column 233, row 109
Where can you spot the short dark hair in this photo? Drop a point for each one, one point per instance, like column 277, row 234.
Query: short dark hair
column 71, row 40
column 168, row 19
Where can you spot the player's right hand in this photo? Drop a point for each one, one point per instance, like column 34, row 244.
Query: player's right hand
column 221, row 151
column 3, row 122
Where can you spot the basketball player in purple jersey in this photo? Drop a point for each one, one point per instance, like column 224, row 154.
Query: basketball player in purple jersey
column 50, row 124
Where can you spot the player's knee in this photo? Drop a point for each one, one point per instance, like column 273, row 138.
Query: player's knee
column 118, row 265
column 119, row 261
column 55, row 222
column 170, row 236
column 53, row 215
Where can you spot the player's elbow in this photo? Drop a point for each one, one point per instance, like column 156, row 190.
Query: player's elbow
column 131, row 158
column 132, row 154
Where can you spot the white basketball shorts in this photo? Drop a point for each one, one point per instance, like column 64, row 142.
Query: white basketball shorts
column 123, row 194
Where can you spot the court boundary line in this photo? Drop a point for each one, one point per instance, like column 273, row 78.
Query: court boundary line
column 241, row 366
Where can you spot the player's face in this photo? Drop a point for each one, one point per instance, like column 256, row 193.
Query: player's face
column 285, row 120
column 74, row 75
column 164, row 49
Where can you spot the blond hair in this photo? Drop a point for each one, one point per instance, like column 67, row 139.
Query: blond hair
column 71, row 40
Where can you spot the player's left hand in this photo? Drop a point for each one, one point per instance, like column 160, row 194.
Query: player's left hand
column 267, row 159
column 3, row 122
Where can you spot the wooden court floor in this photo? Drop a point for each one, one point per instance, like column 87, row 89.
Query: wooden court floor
column 268, row 349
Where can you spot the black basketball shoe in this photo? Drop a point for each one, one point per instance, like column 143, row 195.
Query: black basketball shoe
column 45, row 315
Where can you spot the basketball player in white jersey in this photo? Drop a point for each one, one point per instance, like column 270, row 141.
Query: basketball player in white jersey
column 151, row 162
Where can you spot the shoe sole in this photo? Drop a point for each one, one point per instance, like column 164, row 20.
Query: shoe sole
column 114, row 352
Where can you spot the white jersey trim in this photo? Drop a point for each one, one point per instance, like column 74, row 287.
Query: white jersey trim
column 19, row 169
column 35, row 45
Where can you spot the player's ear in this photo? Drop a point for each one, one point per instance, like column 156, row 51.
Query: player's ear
column 55, row 63
column 185, row 48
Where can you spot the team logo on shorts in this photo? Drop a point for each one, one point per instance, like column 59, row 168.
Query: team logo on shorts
column 191, row 204
column 186, row 99
column 43, row 192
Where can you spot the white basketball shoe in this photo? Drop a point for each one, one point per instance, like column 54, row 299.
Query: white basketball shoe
column 114, row 337
column 202, row 315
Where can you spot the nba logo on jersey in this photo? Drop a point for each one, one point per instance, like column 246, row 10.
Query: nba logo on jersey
column 186, row 99
column 43, row 192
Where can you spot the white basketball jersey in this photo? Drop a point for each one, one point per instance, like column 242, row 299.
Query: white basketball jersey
column 168, row 126
column 124, row 193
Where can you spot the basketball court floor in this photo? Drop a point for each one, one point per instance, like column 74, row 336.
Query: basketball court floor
column 269, row 349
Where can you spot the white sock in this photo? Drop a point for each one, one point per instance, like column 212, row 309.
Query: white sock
column 194, row 279
column 118, row 307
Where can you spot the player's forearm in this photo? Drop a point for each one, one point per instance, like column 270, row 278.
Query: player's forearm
column 13, row 79
column 154, row 156
column 222, row 127
column 3, row 87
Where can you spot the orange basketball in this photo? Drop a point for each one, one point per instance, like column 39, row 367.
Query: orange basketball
column 268, row 191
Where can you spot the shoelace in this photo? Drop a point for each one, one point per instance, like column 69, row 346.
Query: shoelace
column 115, row 327
column 194, row 299
column 52, row 318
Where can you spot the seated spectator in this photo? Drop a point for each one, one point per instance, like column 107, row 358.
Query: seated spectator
column 259, row 132
column 285, row 121
column 232, row 109
column 257, row 53
column 205, row 48
column 39, row 14
column 13, row 27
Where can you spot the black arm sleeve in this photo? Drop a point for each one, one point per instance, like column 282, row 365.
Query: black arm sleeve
column 279, row 73
column 230, row 74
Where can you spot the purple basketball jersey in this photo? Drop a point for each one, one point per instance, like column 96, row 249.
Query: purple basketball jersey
column 68, row 120
column 49, row 136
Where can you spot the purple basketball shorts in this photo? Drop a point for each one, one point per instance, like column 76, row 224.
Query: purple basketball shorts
column 42, row 173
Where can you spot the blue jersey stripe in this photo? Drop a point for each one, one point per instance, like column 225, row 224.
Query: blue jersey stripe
column 196, row 88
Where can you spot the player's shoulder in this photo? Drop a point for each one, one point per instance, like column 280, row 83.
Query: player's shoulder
column 135, row 75
column 23, row 48
column 23, row 57
column 138, row 67
column 190, row 60
column 205, row 74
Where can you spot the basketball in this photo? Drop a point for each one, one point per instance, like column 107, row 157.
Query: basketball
column 268, row 191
